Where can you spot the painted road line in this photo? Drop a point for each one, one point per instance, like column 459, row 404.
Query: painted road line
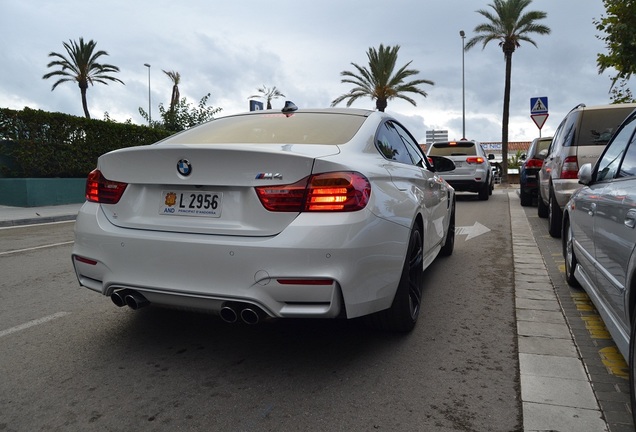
column 36, row 248
column 33, row 323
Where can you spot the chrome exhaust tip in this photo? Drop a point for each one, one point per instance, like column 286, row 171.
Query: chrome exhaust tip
column 250, row 316
column 135, row 301
column 228, row 314
column 119, row 298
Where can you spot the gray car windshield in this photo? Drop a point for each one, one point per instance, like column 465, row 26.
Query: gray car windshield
column 274, row 128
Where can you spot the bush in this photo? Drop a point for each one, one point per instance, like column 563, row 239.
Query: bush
column 36, row 143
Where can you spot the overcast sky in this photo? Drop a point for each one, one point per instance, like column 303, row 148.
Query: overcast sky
column 230, row 49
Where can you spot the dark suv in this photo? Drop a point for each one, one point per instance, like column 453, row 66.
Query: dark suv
column 579, row 139
column 529, row 172
column 472, row 171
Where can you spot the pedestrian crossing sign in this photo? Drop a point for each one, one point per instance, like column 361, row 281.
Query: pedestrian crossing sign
column 539, row 105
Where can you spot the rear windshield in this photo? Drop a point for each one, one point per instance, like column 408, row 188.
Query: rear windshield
column 597, row 126
column 465, row 148
column 274, row 128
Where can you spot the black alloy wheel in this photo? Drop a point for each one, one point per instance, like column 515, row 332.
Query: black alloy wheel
column 403, row 313
column 555, row 216
column 449, row 244
column 542, row 209
column 568, row 254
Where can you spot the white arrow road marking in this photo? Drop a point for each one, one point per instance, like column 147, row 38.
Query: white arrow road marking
column 473, row 231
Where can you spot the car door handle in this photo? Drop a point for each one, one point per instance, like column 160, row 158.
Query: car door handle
column 630, row 218
column 592, row 209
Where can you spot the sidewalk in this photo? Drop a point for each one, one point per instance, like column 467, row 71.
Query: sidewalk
column 556, row 393
column 15, row 216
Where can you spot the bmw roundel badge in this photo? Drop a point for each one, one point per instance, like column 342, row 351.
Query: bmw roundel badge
column 184, row 167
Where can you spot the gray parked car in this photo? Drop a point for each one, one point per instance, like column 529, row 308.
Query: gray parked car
column 472, row 172
column 599, row 240
column 579, row 139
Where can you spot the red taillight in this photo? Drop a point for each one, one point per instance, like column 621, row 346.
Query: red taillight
column 85, row 260
column 101, row 190
column 534, row 163
column 570, row 168
column 338, row 191
column 475, row 160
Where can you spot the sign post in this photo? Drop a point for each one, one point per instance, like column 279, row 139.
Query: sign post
column 539, row 111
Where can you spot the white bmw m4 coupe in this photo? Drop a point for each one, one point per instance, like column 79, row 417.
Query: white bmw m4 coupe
column 326, row 213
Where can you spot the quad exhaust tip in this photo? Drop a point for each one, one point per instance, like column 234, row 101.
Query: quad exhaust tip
column 231, row 312
column 130, row 298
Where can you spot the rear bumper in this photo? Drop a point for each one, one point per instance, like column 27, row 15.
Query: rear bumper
column 564, row 189
column 469, row 185
column 361, row 255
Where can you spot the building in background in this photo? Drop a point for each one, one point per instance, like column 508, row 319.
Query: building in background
column 433, row 136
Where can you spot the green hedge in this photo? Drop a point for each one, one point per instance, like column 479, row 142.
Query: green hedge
column 36, row 143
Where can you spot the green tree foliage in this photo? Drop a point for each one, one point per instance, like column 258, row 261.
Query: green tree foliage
column 81, row 66
column 619, row 26
column 35, row 143
column 509, row 25
column 183, row 116
column 380, row 80
column 268, row 94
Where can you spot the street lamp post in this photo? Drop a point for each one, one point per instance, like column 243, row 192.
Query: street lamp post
column 149, row 102
column 463, row 36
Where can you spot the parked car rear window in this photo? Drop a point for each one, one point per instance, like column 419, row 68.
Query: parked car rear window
column 598, row 126
column 274, row 128
column 460, row 148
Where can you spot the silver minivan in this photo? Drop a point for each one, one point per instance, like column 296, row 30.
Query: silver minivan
column 579, row 139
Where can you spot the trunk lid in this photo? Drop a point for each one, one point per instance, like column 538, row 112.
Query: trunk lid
column 216, row 196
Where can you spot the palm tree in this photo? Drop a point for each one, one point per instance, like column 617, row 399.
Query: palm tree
column 81, row 66
column 268, row 94
column 509, row 25
column 175, row 77
column 379, row 81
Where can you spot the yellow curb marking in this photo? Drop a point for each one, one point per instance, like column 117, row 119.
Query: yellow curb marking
column 614, row 362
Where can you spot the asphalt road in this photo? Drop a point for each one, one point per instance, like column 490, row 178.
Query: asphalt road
column 71, row 360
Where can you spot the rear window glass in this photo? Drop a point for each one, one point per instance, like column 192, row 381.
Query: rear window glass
column 453, row 149
column 274, row 128
column 597, row 126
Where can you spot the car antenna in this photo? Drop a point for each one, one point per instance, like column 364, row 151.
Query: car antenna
column 289, row 107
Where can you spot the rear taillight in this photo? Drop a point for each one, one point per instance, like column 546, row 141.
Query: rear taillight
column 570, row 168
column 475, row 160
column 534, row 163
column 337, row 191
column 103, row 191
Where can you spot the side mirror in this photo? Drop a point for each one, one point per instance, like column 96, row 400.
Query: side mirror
column 441, row 164
column 585, row 174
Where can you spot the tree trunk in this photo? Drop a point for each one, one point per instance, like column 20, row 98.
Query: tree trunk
column 505, row 118
column 381, row 104
column 84, row 103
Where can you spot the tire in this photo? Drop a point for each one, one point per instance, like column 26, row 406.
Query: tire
column 525, row 198
column 449, row 244
column 484, row 192
column 568, row 255
column 555, row 217
column 632, row 368
column 403, row 313
column 542, row 209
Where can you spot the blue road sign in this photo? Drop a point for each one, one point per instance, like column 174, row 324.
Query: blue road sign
column 539, row 105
